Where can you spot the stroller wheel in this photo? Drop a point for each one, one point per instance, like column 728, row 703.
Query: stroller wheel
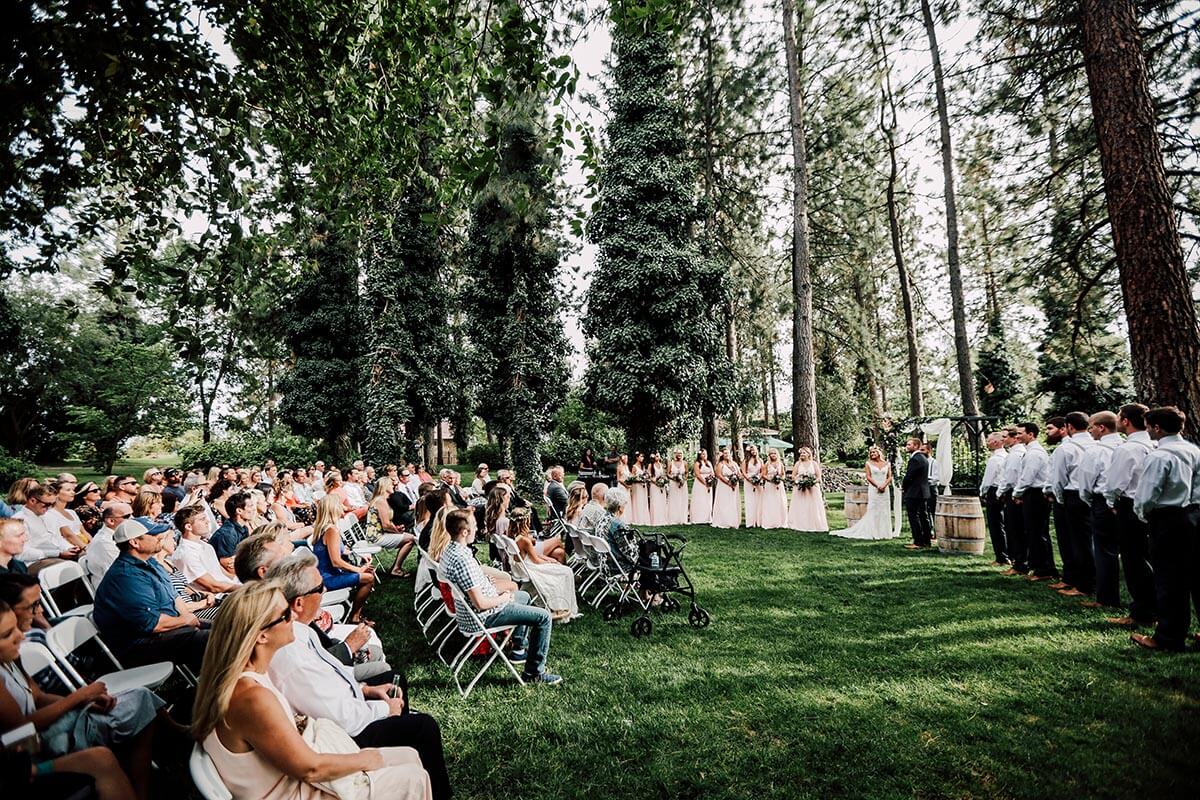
column 611, row 610
column 642, row 626
column 698, row 617
column 669, row 604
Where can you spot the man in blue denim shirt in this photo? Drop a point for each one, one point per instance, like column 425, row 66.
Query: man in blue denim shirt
column 137, row 611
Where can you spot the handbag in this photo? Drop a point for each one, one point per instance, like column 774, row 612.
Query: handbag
column 326, row 736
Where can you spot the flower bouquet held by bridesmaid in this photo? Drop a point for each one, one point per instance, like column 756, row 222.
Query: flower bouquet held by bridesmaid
column 702, row 489
column 807, row 511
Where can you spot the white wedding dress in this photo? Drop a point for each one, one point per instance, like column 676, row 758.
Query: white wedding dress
column 876, row 523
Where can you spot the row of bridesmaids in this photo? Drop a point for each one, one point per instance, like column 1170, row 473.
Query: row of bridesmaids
column 658, row 492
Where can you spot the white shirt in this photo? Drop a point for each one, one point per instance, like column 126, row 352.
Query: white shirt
column 196, row 559
column 354, row 493
column 1012, row 468
column 302, row 492
column 1170, row 476
column 316, row 684
column 1066, row 468
column 991, row 473
column 101, row 553
column 56, row 520
column 935, row 472
column 42, row 541
column 1121, row 479
column 414, row 486
column 1094, row 465
column 1035, row 470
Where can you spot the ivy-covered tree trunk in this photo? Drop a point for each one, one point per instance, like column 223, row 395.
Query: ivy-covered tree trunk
column 1163, row 334
column 653, row 320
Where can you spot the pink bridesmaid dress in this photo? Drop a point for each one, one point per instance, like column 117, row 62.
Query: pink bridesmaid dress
column 639, row 498
column 773, row 512
column 658, row 496
column 753, row 494
column 727, row 506
column 807, row 512
column 702, row 495
column 626, row 515
column 677, row 495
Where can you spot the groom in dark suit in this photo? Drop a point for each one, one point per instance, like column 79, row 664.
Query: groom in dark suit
column 915, row 487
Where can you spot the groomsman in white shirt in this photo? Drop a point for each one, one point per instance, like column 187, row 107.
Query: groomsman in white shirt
column 1056, row 431
column 1030, row 494
column 1092, row 468
column 1014, row 525
column 993, row 506
column 1168, row 498
column 1076, row 514
column 1133, row 535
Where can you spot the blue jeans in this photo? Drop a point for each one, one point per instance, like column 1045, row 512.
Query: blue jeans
column 526, row 617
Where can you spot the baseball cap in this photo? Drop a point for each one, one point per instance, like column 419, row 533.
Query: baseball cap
column 128, row 530
column 152, row 527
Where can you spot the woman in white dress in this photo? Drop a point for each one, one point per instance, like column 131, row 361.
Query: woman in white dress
column 727, row 506
column 677, row 490
column 623, row 475
column 702, row 492
column 877, row 521
column 639, row 498
column 554, row 581
column 807, row 509
column 657, row 473
column 773, row 499
column 752, row 472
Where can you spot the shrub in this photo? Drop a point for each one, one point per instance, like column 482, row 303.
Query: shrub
column 245, row 450
column 576, row 428
column 482, row 454
column 12, row 468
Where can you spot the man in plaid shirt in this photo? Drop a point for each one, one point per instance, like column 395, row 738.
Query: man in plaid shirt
column 459, row 567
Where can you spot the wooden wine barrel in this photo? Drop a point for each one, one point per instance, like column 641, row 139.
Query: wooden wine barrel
column 856, row 503
column 958, row 524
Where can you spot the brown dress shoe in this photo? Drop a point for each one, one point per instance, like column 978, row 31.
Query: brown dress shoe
column 1147, row 641
column 912, row 547
column 1091, row 604
column 1060, row 585
column 1124, row 622
column 1010, row 571
column 1072, row 592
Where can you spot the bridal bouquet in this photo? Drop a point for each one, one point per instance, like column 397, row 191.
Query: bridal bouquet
column 710, row 481
column 756, row 480
column 678, row 480
column 630, row 480
column 806, row 482
column 660, row 482
column 735, row 480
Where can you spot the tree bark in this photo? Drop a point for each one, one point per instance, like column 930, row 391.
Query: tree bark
column 1164, row 337
column 962, row 345
column 804, row 376
column 731, row 351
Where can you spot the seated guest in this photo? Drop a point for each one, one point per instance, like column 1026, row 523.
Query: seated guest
column 172, row 490
column 353, row 488
column 301, row 489
column 593, row 514
column 221, row 491
column 138, row 612
column 90, row 520
column 429, row 504
column 12, row 544
column 614, row 530
column 231, row 533
column 554, row 580
column 448, row 480
column 283, row 501
column 382, row 529
column 508, row 478
column 577, row 500
column 42, row 543
column 259, row 553
column 73, row 775
column 127, row 489
column 555, row 493
column 202, row 603
column 195, row 558
column 87, row 717
column 482, row 476
column 336, row 487
column 319, row 686
column 87, row 495
column 60, row 517
column 19, row 492
column 148, row 509
column 336, row 570
column 152, row 480
column 249, row 730
column 459, row 567
column 23, row 594
column 102, row 551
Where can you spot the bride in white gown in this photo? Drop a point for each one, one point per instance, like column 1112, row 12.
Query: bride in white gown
column 876, row 523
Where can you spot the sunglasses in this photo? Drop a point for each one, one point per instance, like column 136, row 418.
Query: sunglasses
column 318, row 589
column 286, row 616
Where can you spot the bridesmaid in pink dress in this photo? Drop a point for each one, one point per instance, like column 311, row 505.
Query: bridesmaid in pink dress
column 657, row 472
column 727, row 506
column 623, row 480
column 773, row 512
column 752, row 471
column 677, row 490
column 639, row 498
column 702, row 493
column 808, row 505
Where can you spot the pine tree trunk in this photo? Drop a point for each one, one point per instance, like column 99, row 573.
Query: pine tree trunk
column 962, row 345
column 731, row 351
column 804, row 377
column 1164, row 338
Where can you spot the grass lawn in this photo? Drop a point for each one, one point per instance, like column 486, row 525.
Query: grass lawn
column 832, row 669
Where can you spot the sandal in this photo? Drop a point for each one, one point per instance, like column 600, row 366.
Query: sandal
column 401, row 574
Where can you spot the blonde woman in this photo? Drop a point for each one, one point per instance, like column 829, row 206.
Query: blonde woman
column 336, row 570
column 62, row 519
column 752, row 471
column 283, row 500
column 577, row 498
column 657, row 488
column 381, row 529
column 702, row 489
column 677, row 490
column 807, row 512
column 877, row 521
column 773, row 500
column 248, row 728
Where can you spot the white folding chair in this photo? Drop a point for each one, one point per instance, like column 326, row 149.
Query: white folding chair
column 74, row 632
column 36, row 657
column 497, row 638
column 518, row 568
column 337, row 603
column 57, row 576
column 205, row 776
column 355, row 538
column 612, row 574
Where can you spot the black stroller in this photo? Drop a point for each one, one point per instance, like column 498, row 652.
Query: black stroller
column 651, row 564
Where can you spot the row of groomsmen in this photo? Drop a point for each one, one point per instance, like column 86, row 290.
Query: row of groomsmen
column 1124, row 492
